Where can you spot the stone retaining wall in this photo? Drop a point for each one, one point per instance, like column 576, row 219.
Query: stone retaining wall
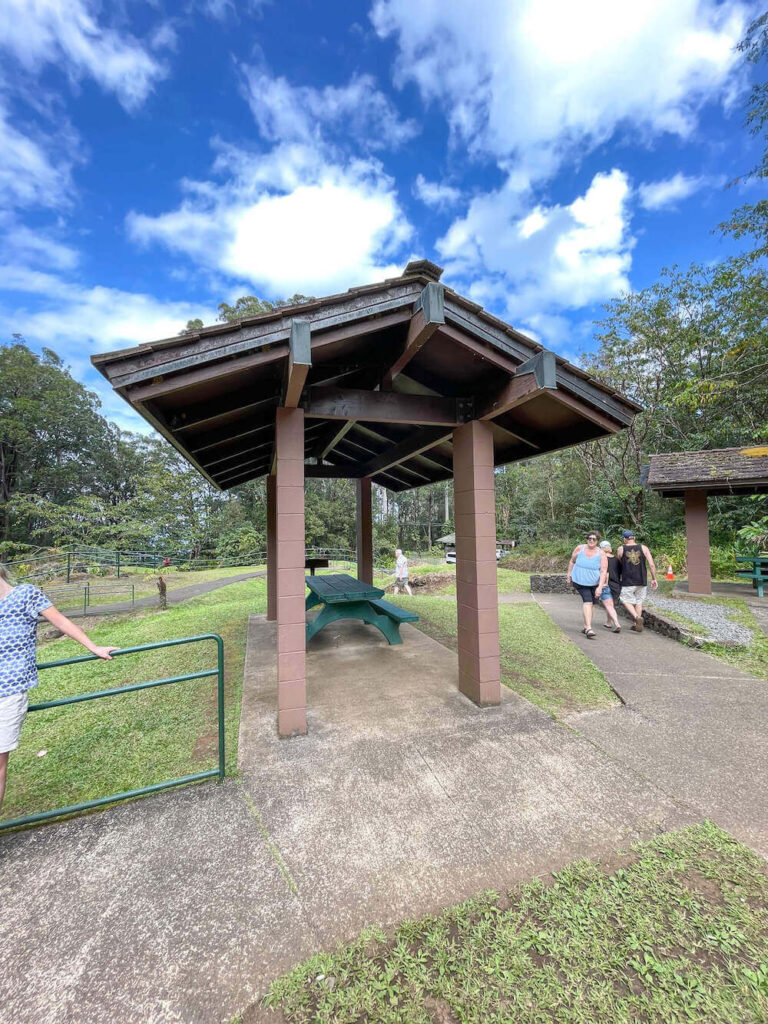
column 549, row 583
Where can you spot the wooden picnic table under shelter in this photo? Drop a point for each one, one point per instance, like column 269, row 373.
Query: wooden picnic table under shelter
column 400, row 383
column 694, row 476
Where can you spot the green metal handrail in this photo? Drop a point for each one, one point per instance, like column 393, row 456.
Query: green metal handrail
column 219, row 772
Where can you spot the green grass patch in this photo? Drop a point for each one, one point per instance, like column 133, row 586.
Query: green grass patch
column 69, row 596
column 676, row 931
column 752, row 659
column 118, row 743
column 538, row 661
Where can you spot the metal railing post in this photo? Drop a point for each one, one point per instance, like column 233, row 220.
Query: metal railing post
column 85, row 598
column 220, row 689
column 219, row 772
column 69, row 565
column 118, row 565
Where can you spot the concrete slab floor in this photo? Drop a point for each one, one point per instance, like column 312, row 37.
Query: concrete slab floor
column 693, row 725
column 403, row 798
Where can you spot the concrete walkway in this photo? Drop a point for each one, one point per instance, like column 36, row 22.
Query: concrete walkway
column 692, row 724
column 403, row 798
column 175, row 596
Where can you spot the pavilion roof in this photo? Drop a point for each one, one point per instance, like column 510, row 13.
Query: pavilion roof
column 742, row 470
column 384, row 372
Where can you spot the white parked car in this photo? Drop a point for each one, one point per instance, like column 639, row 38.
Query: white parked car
column 450, row 555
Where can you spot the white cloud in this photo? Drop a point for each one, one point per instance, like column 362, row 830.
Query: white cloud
column 657, row 195
column 285, row 112
column 537, row 80
column 67, row 34
column 535, row 262
column 35, row 169
column 435, row 193
column 292, row 220
column 34, row 248
column 77, row 321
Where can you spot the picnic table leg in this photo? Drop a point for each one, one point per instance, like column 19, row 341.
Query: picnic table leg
column 311, row 601
column 355, row 610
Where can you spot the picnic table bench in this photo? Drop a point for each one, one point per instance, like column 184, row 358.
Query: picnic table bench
column 344, row 597
column 757, row 571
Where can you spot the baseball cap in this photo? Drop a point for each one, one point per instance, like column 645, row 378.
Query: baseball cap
column 628, row 533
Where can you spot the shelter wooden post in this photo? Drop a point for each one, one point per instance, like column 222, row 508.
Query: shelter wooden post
column 271, row 549
column 364, row 530
column 476, row 590
column 289, row 505
column 697, row 542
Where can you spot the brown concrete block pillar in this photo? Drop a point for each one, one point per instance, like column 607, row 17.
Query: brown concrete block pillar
column 290, row 555
column 271, row 549
column 364, row 531
column 476, row 589
column 697, row 543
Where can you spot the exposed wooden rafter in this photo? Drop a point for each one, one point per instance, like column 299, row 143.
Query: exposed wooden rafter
column 531, row 379
column 428, row 315
column 419, row 441
column 298, row 364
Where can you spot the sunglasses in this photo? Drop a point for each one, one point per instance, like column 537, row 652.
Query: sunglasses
column 591, row 537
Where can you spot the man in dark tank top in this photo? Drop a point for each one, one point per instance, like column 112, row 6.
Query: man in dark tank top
column 635, row 561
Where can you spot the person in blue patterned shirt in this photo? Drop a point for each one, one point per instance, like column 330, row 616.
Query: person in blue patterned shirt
column 20, row 607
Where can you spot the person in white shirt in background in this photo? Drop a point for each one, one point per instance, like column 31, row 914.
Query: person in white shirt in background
column 401, row 573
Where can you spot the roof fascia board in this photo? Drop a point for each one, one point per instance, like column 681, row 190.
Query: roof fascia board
column 138, row 364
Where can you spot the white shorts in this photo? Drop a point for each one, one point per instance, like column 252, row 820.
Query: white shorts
column 633, row 595
column 13, row 711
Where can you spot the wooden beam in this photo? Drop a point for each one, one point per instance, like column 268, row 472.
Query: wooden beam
column 225, row 436
column 432, row 458
column 531, row 379
column 419, row 441
column 231, row 367
column 428, row 315
column 331, row 437
column 518, row 434
column 386, row 407
column 232, row 406
column 609, row 425
column 240, row 476
column 339, row 470
column 299, row 363
column 251, row 466
column 240, row 452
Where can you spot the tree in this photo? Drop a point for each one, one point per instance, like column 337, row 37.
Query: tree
column 53, row 440
column 247, row 306
column 751, row 219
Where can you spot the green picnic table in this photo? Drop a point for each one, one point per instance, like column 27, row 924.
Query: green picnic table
column 757, row 571
column 344, row 597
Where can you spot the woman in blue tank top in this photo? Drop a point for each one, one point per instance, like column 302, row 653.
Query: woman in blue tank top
column 588, row 572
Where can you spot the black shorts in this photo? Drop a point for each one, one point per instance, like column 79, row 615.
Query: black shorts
column 587, row 594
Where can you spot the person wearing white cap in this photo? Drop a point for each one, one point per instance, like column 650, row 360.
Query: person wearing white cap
column 610, row 592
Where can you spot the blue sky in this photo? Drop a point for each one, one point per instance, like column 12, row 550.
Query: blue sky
column 159, row 157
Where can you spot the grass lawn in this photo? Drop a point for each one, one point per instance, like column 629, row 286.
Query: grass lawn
column 144, row 584
column 105, row 746
column 676, row 931
column 537, row 660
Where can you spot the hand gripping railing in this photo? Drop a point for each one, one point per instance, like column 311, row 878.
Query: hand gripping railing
column 30, row 819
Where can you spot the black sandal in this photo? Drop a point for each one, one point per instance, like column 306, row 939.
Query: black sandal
column 589, row 634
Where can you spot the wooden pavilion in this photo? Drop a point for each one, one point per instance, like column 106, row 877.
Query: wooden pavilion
column 693, row 476
column 400, row 383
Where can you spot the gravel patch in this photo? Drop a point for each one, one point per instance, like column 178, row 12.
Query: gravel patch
column 713, row 616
